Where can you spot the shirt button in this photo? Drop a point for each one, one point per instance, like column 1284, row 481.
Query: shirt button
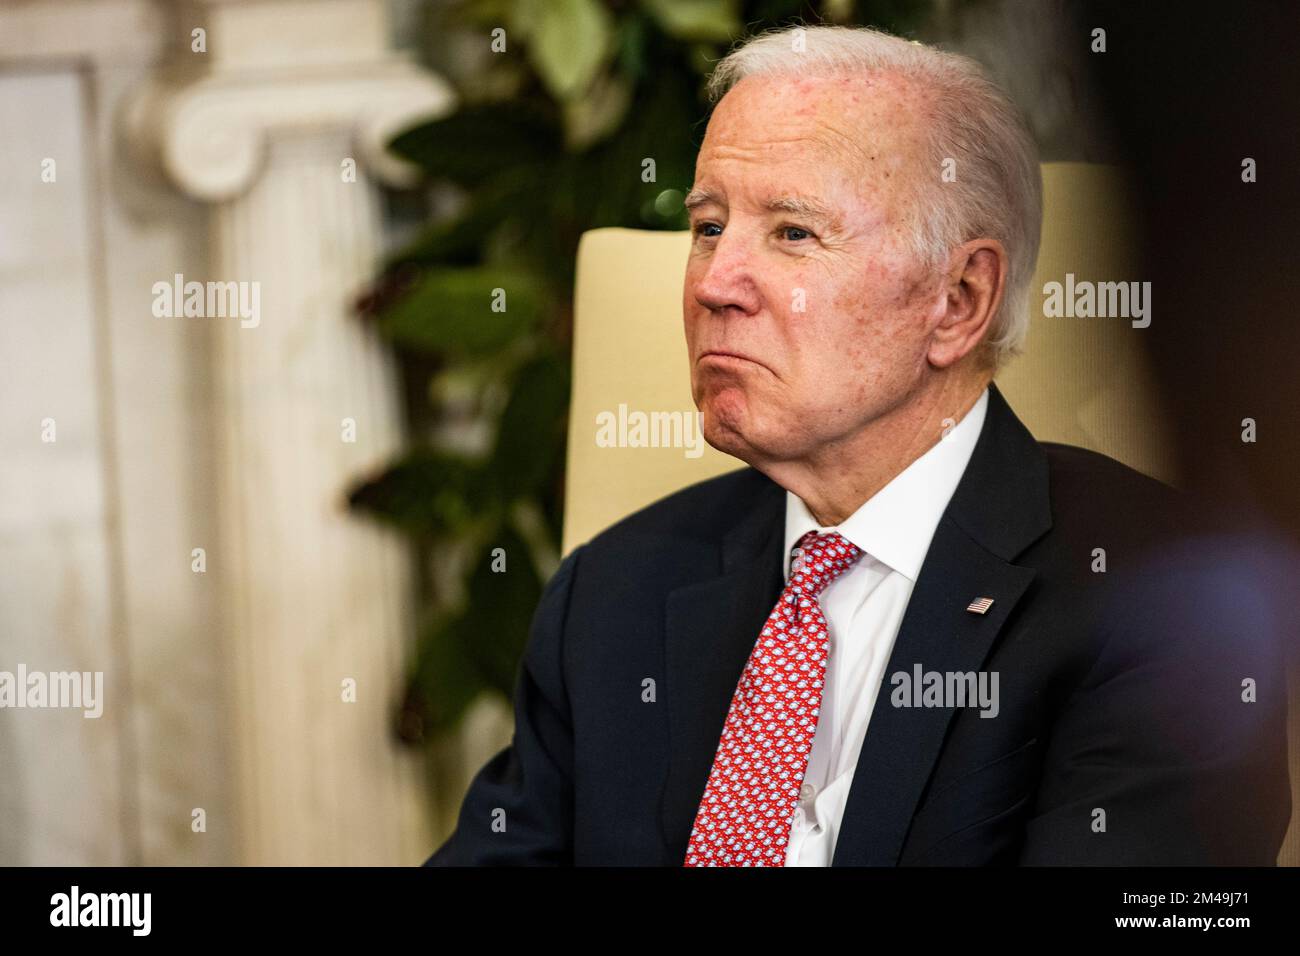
column 807, row 792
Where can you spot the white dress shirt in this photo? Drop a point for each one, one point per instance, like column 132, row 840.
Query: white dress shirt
column 864, row 608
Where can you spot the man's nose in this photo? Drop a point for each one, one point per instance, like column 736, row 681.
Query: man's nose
column 728, row 280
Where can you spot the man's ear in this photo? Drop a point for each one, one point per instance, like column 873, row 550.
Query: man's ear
column 976, row 283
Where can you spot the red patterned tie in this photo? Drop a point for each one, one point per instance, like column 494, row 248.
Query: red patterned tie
column 744, row 818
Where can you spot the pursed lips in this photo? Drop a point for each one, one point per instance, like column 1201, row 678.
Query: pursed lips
column 735, row 356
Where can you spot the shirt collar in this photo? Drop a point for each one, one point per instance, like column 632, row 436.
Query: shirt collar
column 896, row 524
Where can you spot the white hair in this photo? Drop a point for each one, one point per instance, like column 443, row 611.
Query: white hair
column 997, row 192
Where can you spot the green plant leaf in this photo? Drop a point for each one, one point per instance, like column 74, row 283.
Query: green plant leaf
column 451, row 310
column 632, row 46
column 569, row 43
column 617, row 164
column 513, row 195
column 480, row 142
column 531, row 434
column 428, row 492
column 446, row 680
column 479, row 647
column 593, row 117
column 695, row 20
column 500, row 608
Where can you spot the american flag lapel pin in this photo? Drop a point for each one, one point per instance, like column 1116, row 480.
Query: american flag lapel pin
column 980, row 605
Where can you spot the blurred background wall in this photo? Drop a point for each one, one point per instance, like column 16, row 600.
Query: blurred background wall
column 249, row 684
column 273, row 540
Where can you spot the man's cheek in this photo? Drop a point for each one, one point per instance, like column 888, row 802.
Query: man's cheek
column 795, row 293
column 851, row 311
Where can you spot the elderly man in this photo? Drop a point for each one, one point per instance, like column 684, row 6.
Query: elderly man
column 888, row 640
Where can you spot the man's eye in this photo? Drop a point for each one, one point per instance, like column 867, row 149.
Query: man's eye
column 799, row 234
column 700, row 227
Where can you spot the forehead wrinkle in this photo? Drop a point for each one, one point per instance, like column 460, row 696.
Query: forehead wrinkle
column 857, row 161
column 874, row 150
column 754, row 151
column 792, row 202
column 885, row 172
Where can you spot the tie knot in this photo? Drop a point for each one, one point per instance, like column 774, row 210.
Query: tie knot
column 820, row 559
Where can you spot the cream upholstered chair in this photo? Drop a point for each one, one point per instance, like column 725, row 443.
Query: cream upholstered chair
column 1081, row 380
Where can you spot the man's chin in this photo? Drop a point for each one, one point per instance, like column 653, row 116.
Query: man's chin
column 729, row 439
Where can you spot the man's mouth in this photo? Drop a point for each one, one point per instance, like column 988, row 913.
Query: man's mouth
column 729, row 357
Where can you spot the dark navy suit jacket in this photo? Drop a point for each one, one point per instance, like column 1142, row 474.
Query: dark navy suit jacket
column 1127, row 731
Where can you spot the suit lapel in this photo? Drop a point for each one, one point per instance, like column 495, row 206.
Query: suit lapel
column 711, row 627
column 903, row 743
column 1000, row 507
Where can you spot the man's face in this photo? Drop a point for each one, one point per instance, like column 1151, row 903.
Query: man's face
column 803, row 327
